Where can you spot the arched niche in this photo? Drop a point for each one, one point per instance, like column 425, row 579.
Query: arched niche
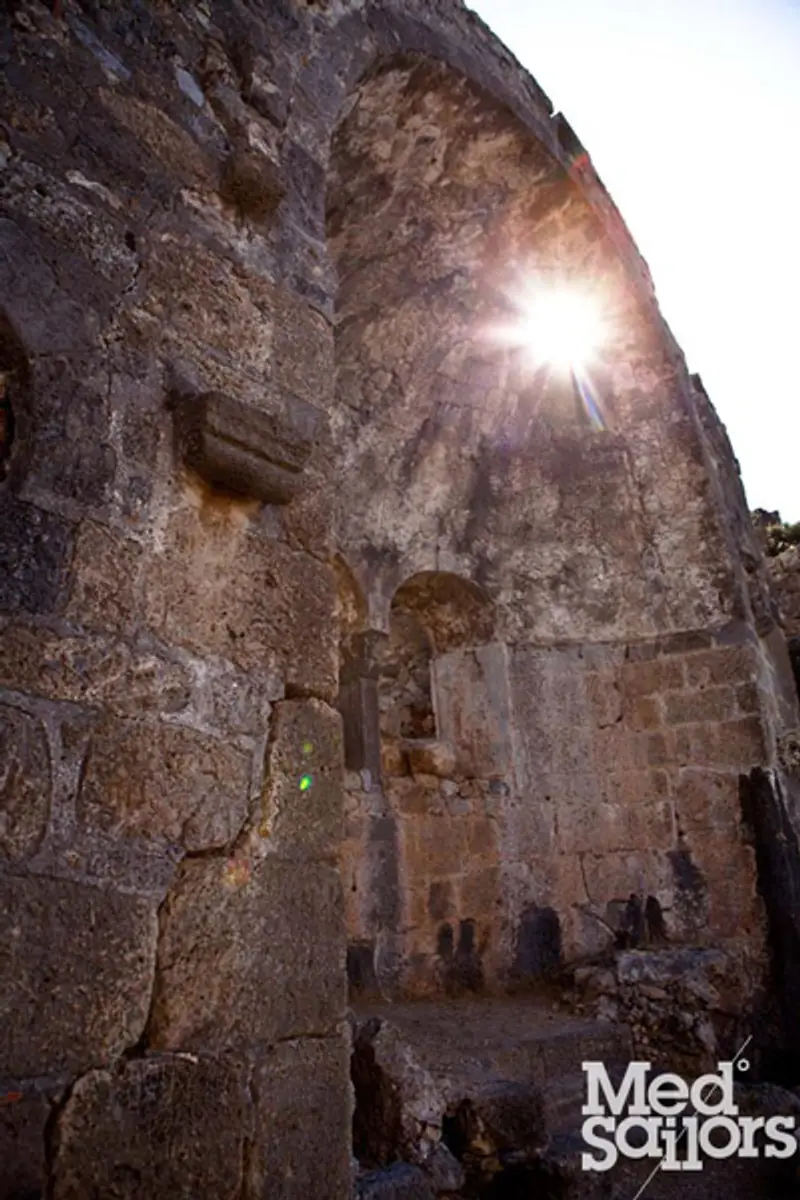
column 455, row 612
column 432, row 614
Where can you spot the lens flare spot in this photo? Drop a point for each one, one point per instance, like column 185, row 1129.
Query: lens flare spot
column 305, row 783
column 308, row 748
column 560, row 325
column 590, row 400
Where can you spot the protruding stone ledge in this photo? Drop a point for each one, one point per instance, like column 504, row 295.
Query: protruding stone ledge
column 242, row 449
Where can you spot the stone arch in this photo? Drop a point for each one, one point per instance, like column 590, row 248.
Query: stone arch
column 454, row 459
column 453, row 452
column 456, row 612
column 432, row 614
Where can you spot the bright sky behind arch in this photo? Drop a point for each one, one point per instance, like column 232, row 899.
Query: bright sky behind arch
column 690, row 111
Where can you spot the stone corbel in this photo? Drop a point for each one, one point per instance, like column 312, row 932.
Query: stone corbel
column 243, row 449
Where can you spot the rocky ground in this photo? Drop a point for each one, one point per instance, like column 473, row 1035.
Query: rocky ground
column 480, row 1099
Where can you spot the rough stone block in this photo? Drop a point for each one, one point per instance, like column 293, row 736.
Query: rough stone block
column 236, row 446
column 502, row 1115
column 35, row 549
column 710, row 704
column 301, row 803
column 160, row 1126
column 615, row 749
column 605, row 697
column 216, row 587
column 252, row 183
column 615, row 876
column 708, row 802
column 473, row 700
column 250, row 953
column 435, row 845
column 414, row 796
column 303, row 1098
column 164, row 781
column 76, row 972
column 643, row 713
column 657, row 675
column 552, row 717
column 95, row 671
column 201, row 304
column 632, row 814
column 731, row 745
column 25, row 782
column 399, row 1105
column 310, row 520
column 105, row 569
column 175, row 149
column 480, row 891
column 725, row 665
column 70, row 455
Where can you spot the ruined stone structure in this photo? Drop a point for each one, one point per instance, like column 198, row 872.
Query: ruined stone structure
column 337, row 640
column 785, row 574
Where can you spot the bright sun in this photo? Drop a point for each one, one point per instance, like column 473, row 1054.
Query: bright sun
column 558, row 325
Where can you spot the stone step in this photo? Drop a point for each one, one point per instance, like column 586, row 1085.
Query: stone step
column 519, row 1040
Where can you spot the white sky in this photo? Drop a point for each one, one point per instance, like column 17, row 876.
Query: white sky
column 690, row 110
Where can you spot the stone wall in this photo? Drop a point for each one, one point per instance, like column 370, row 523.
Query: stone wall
column 204, row 212
column 784, row 571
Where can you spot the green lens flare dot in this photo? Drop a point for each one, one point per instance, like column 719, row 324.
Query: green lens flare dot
column 305, row 783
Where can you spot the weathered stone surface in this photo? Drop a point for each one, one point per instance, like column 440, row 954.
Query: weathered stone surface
column 502, row 1115
column 25, row 782
column 399, row 1182
column 304, row 350
column 250, row 952
column 301, row 803
column 443, row 1169
column 167, row 1125
column 128, row 680
column 784, row 570
column 25, row 1108
column 252, row 183
column 293, row 1079
column 35, row 547
column 105, row 571
column 431, row 758
column 87, row 955
column 399, row 1105
column 164, row 781
column 216, row 587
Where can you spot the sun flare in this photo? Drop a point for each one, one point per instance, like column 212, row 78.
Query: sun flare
column 561, row 326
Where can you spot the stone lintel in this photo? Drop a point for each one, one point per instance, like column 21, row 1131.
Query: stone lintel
column 235, row 446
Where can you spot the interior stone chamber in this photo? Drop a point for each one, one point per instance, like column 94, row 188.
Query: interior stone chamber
column 342, row 655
